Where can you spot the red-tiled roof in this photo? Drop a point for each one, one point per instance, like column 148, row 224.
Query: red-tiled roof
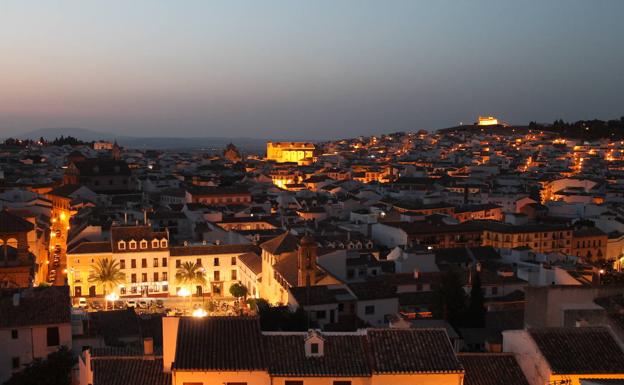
column 343, row 356
column 11, row 223
column 136, row 233
column 129, row 371
column 284, row 243
column 412, row 351
column 237, row 344
column 253, row 261
column 583, row 350
column 91, row 248
column 37, row 306
column 212, row 250
column 219, row 343
column 491, row 369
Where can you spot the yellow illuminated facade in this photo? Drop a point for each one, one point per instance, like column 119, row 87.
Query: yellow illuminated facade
column 487, row 121
column 296, row 152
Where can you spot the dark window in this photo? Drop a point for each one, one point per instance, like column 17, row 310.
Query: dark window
column 155, row 262
column 321, row 314
column 144, row 262
column 233, row 275
column 53, row 336
column 164, row 262
column 15, row 362
column 178, row 263
column 314, row 348
column 217, row 276
column 293, row 382
column 216, row 261
column 198, row 263
column 122, row 263
column 133, row 278
column 14, row 334
column 155, row 277
column 369, row 309
column 144, row 277
column 164, row 276
column 133, row 263
column 233, row 263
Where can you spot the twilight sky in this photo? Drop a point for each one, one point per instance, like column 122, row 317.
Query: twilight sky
column 305, row 69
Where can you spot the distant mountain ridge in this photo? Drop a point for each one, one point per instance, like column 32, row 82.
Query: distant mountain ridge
column 247, row 144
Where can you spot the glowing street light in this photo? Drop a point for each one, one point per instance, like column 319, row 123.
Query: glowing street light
column 112, row 297
column 199, row 313
column 184, row 292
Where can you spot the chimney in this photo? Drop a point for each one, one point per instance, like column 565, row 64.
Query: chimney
column 144, row 217
column 16, row 299
column 416, row 274
column 148, row 347
column 125, row 218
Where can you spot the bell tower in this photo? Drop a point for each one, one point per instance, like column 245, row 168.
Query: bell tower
column 306, row 261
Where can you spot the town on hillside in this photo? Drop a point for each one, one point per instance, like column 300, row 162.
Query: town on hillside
column 480, row 254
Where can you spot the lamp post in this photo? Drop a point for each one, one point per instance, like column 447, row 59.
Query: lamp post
column 112, row 297
column 184, row 292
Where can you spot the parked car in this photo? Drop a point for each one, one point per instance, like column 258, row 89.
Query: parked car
column 119, row 305
column 131, row 303
column 160, row 303
column 142, row 304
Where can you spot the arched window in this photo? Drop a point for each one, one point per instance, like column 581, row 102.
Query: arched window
column 121, row 245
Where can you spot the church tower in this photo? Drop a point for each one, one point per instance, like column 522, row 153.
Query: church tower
column 116, row 151
column 306, row 261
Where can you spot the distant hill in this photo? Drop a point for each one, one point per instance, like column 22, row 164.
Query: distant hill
column 55, row 132
column 209, row 143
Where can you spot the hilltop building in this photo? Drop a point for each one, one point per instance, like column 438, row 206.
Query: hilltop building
column 296, row 152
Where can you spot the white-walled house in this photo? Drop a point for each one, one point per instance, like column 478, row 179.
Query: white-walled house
column 33, row 323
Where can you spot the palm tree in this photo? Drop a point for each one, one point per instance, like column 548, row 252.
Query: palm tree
column 107, row 274
column 190, row 274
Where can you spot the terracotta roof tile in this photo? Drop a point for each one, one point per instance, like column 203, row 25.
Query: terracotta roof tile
column 253, row 261
column 136, row 371
column 91, row 248
column 491, row 369
column 37, row 306
column 412, row 351
column 284, row 243
column 219, row 343
column 343, row 356
column 583, row 350
column 11, row 223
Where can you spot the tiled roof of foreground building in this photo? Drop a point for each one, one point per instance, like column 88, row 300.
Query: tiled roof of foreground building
column 584, row 350
column 226, row 343
column 491, row 369
column 124, row 371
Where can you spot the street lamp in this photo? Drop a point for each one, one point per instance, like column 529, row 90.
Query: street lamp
column 184, row 292
column 112, row 297
column 199, row 313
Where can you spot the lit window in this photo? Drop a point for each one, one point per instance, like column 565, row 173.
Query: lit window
column 132, row 244
column 155, row 243
column 163, row 243
column 121, row 245
column 143, row 244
